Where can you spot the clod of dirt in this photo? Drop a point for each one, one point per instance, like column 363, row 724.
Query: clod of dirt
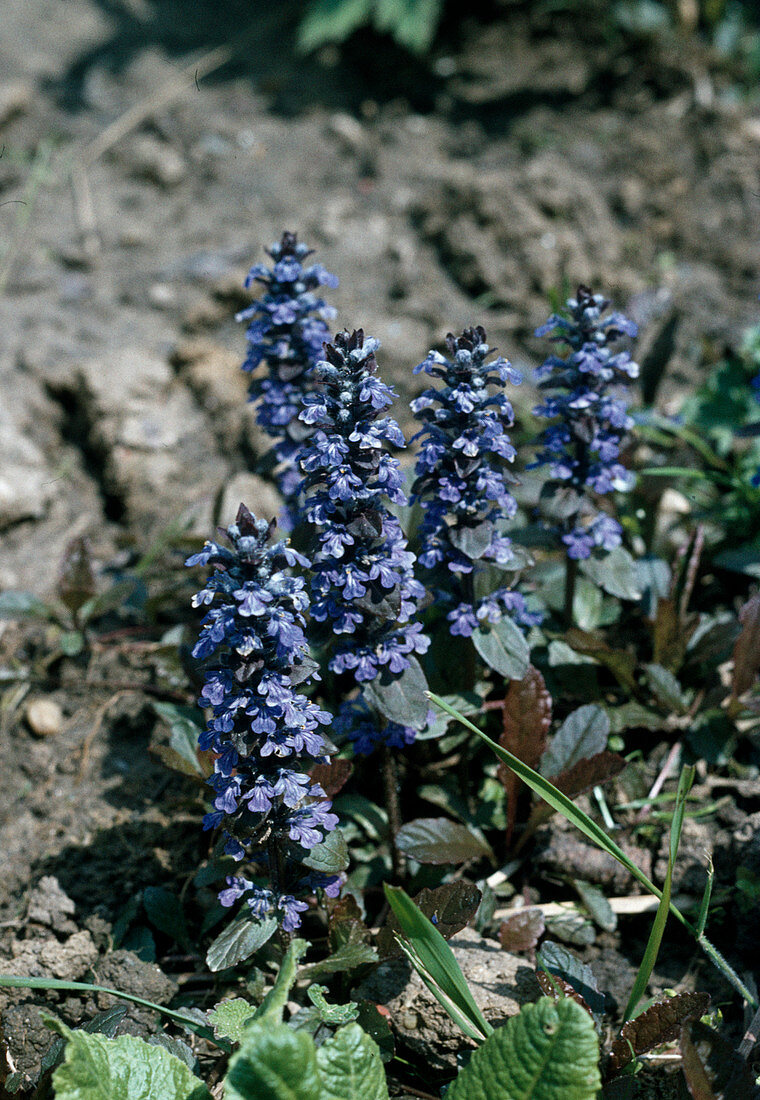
column 148, row 158
column 500, row 983
column 49, row 958
column 27, row 1038
column 51, row 907
column 570, row 858
column 44, row 717
column 126, row 971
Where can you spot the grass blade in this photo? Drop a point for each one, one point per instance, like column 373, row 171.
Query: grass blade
column 586, row 825
column 661, row 916
column 434, row 961
column 11, row 981
column 558, row 801
column 704, row 908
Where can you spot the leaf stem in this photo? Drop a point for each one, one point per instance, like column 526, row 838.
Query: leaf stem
column 571, row 576
column 393, row 806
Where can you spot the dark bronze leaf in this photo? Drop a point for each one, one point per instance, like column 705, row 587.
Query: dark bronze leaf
column 522, row 929
column 661, row 1023
column 747, row 648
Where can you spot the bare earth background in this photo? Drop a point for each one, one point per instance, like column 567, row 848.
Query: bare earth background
column 531, row 153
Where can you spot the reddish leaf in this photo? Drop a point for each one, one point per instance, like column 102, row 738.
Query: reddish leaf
column 661, row 1023
column 522, row 929
column 451, row 907
column 527, row 716
column 575, row 781
column 588, row 773
column 747, row 648
column 333, row 776
column 620, row 662
column 555, row 987
column 670, row 636
column 697, row 1081
column 345, row 922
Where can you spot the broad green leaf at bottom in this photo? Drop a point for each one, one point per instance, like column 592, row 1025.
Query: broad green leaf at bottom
column 127, row 1068
column 274, row 1063
column 547, row 1052
column 351, row 1066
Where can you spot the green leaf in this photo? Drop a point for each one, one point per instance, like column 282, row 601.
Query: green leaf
column 164, row 911
column 330, row 856
column 114, row 597
column 230, row 1018
column 666, row 689
column 615, row 573
column 349, row 956
column 503, row 648
column 184, row 731
column 571, row 926
column 400, row 698
column 547, row 1052
column 331, row 21
column 472, row 541
column 633, row 715
column 274, row 1062
column 351, row 1067
column 127, row 1068
column 435, row 963
column 240, row 939
column 597, row 905
column 653, row 576
column 271, row 1008
column 411, row 22
column 24, row 605
column 557, row 960
column 438, row 840
column 583, row 734
column 465, row 704
column 328, row 1013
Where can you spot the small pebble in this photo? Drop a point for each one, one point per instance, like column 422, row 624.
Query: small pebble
column 44, row 717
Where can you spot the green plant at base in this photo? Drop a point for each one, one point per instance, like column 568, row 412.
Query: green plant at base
column 412, row 23
column 546, row 1052
column 598, row 836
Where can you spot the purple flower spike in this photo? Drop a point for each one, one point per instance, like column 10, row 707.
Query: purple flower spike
column 264, row 732
column 363, row 582
column 589, row 419
column 286, row 330
column 461, row 480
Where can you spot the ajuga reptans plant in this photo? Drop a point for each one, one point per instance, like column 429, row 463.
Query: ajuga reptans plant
column 363, row 584
column 286, row 332
column 263, row 731
column 582, row 444
column 461, row 480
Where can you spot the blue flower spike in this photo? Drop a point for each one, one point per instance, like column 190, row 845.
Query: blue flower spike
column 264, row 732
column 363, row 585
column 462, row 479
column 286, row 330
column 581, row 446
